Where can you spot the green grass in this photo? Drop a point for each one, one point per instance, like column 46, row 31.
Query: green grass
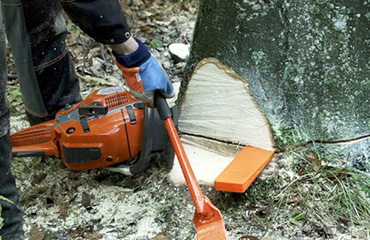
column 323, row 196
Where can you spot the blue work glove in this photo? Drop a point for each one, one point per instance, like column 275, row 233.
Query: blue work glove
column 144, row 75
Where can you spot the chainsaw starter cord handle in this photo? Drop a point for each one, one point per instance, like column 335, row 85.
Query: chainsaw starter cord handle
column 162, row 106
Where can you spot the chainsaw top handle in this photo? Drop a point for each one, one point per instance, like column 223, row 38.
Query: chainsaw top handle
column 162, row 106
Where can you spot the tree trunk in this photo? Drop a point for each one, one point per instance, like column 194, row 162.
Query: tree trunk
column 280, row 74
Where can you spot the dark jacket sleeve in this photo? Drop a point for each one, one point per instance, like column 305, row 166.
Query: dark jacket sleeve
column 102, row 20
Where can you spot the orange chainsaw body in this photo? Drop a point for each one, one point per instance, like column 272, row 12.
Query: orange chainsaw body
column 105, row 129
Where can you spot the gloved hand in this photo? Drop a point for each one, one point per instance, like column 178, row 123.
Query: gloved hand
column 144, row 75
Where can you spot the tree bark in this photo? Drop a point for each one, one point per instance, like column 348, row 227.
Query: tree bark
column 305, row 65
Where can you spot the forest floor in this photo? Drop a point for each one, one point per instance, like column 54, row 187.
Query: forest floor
column 301, row 199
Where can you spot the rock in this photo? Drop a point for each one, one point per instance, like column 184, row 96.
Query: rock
column 179, row 52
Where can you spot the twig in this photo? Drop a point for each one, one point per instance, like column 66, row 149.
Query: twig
column 291, row 183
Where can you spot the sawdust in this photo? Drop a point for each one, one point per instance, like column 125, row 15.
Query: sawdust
column 150, row 205
column 120, row 207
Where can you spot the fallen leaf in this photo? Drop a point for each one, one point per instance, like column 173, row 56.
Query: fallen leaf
column 313, row 158
column 63, row 209
column 86, row 200
column 92, row 235
column 156, row 43
column 36, row 233
column 162, row 236
column 39, row 178
column 337, row 173
column 294, row 199
column 328, row 231
column 247, row 237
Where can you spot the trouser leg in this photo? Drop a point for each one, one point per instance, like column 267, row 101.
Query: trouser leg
column 53, row 65
column 9, row 210
column 56, row 82
column 44, row 29
column 59, row 86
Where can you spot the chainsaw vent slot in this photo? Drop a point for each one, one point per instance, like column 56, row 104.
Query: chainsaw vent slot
column 33, row 136
column 116, row 100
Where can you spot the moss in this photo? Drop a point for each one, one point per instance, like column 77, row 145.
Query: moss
column 287, row 139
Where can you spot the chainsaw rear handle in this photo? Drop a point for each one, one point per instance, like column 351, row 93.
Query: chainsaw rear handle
column 146, row 148
column 162, row 106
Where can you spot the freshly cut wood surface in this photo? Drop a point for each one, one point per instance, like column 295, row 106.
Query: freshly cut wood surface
column 217, row 104
column 208, row 158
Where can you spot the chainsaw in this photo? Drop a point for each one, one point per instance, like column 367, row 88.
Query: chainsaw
column 110, row 129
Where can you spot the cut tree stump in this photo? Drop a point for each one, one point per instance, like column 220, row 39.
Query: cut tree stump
column 218, row 105
column 280, row 75
column 219, row 116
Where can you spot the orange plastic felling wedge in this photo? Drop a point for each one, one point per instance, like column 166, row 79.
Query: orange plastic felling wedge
column 242, row 171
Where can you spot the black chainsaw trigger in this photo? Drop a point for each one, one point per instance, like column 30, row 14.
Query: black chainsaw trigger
column 84, row 124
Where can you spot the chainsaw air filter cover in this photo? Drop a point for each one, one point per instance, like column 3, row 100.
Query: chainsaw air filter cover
column 106, row 128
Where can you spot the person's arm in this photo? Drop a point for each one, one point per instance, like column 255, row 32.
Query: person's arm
column 125, row 48
column 104, row 21
column 11, row 213
column 144, row 75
